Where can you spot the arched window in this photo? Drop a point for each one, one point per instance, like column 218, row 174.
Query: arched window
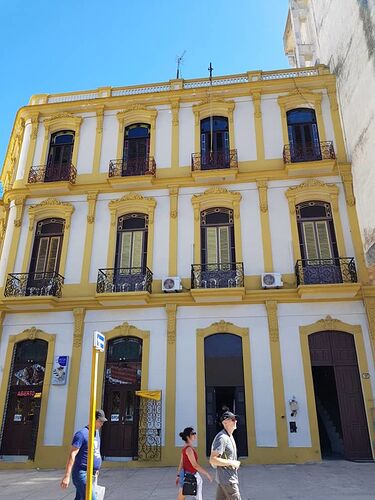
column 303, row 135
column 136, row 149
column 217, row 236
column 215, row 143
column 131, row 248
column 60, row 156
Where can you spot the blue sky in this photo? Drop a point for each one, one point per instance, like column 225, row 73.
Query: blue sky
column 50, row 47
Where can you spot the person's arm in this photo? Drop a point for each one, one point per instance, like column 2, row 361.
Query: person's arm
column 195, row 464
column 217, row 461
column 179, row 468
column 69, row 466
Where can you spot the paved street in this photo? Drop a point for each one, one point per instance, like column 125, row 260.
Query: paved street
column 329, row 480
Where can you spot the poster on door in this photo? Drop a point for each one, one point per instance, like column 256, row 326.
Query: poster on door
column 60, row 370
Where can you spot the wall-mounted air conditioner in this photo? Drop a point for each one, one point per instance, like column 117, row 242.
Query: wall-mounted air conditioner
column 271, row 280
column 172, row 284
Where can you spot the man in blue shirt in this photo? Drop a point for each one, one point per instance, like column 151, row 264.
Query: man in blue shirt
column 77, row 461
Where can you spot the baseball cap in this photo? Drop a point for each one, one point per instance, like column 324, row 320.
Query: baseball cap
column 227, row 414
column 100, row 415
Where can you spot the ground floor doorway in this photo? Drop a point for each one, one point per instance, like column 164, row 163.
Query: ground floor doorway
column 225, row 389
column 341, row 415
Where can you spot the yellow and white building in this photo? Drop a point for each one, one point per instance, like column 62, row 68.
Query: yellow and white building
column 210, row 231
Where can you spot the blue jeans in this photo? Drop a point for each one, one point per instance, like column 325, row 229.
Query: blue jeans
column 79, row 481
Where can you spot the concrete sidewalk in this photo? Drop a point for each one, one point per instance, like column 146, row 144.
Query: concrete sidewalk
column 328, row 480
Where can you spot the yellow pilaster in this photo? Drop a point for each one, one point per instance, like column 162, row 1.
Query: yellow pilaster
column 75, row 365
column 98, row 139
column 2, row 317
column 340, row 145
column 265, row 225
column 173, row 230
column 91, row 201
column 258, row 122
column 19, row 202
column 175, row 107
column 277, row 375
column 346, row 175
column 170, row 405
column 34, row 118
column 370, row 311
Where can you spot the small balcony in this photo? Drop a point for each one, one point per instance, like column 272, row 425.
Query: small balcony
column 130, row 285
column 215, row 164
column 210, row 281
column 52, row 173
column 138, row 170
column 316, row 158
column 34, row 285
column 329, row 278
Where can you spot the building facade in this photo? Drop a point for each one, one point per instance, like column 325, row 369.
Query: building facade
column 209, row 232
column 350, row 55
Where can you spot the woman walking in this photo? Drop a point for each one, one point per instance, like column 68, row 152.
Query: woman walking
column 189, row 463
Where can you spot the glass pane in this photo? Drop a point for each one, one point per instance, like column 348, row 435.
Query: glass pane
column 137, row 130
column 301, row 115
column 310, row 241
column 115, row 402
column 31, row 351
column 223, row 345
column 125, row 349
column 129, row 409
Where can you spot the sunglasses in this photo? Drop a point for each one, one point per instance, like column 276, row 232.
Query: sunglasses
column 193, row 434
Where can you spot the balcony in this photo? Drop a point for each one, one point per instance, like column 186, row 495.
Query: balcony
column 209, row 282
column 138, row 170
column 215, row 165
column 327, row 278
column 316, row 158
column 124, row 285
column 51, row 179
column 37, row 287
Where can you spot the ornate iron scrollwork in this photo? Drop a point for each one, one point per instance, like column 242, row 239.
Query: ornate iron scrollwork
column 296, row 153
column 326, row 271
column 149, row 432
column 230, row 275
column 34, row 284
column 52, row 173
column 121, row 279
column 140, row 165
column 212, row 160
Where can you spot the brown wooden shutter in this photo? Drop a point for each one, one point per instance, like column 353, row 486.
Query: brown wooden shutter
column 211, row 235
column 324, row 240
column 224, row 245
column 53, row 254
column 310, row 240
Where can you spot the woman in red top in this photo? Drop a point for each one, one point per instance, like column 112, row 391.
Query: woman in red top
column 189, row 463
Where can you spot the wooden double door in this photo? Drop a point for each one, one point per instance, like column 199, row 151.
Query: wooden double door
column 120, row 433
column 339, row 396
column 21, row 422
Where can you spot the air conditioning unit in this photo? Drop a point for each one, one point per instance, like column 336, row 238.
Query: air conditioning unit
column 172, row 284
column 271, row 280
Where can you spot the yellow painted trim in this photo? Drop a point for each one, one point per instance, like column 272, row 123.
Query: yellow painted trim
column 98, row 140
column 51, row 207
column 131, row 203
column 202, row 333
column 19, row 204
column 91, row 202
column 217, row 197
column 302, row 99
column 315, row 190
column 258, row 124
column 126, row 330
column 55, row 123
column 175, row 152
column 74, row 371
column 334, row 325
column 262, row 186
column 34, row 120
column 277, row 375
column 170, row 403
column 336, row 121
column 30, row 334
column 213, row 107
column 370, row 312
column 135, row 113
column 173, row 231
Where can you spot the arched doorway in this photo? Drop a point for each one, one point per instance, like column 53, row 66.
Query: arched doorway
column 123, row 373
column 343, row 429
column 225, row 388
column 21, row 421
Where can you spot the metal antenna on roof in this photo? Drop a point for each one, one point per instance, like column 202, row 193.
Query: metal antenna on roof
column 179, row 62
column 210, row 69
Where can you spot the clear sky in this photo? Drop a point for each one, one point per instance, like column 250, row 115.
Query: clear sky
column 50, row 47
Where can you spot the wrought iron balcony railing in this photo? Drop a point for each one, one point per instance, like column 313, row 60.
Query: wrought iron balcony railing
column 228, row 275
column 326, row 271
column 124, row 279
column 140, row 165
column 314, row 151
column 212, row 160
column 52, row 173
column 34, row 284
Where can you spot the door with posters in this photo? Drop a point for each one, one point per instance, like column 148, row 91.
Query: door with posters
column 21, row 422
column 122, row 380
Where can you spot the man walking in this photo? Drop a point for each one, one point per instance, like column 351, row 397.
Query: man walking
column 224, row 459
column 77, row 460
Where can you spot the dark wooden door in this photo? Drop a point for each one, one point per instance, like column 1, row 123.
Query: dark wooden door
column 120, row 432
column 21, row 423
column 240, row 434
column 212, row 423
column 337, row 349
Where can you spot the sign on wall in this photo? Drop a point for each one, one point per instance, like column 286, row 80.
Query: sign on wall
column 60, row 370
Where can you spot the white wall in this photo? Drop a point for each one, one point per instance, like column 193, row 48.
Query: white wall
column 86, row 144
column 272, row 129
column 76, row 245
column 7, row 242
column 109, row 140
column 186, row 134
column 244, row 129
column 24, row 151
column 38, row 160
column 163, row 137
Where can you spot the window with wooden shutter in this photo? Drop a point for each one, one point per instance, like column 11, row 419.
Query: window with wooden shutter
column 131, row 250
column 45, row 257
column 224, row 245
column 217, row 236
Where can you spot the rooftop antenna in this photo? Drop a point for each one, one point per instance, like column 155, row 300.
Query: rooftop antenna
column 179, row 62
column 210, row 69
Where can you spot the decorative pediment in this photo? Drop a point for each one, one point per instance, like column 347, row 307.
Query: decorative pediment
column 51, row 207
column 300, row 98
column 312, row 190
column 136, row 113
column 216, row 197
column 61, row 121
column 132, row 202
column 210, row 107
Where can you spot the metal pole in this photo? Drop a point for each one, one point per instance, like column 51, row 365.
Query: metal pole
column 92, row 429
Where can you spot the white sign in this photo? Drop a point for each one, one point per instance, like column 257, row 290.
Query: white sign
column 99, row 341
column 60, row 370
